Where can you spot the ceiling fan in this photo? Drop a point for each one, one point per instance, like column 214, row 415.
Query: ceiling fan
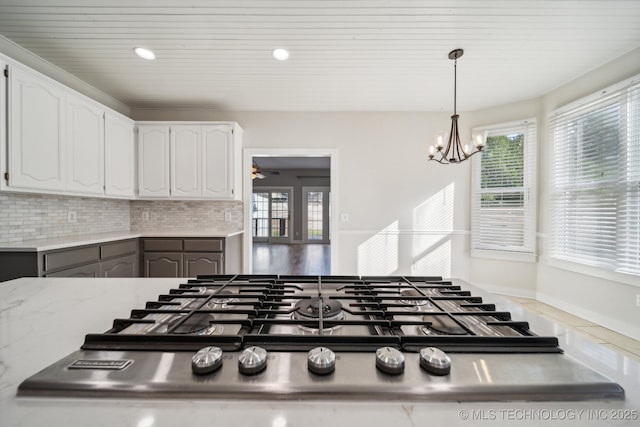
column 255, row 172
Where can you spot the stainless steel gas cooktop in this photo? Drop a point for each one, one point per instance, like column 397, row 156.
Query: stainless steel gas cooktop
column 333, row 337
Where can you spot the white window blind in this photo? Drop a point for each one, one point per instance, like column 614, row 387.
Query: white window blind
column 596, row 188
column 504, row 192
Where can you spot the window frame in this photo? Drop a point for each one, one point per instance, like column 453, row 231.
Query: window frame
column 577, row 110
column 528, row 251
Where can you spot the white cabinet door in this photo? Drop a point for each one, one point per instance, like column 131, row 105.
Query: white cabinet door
column 217, row 161
column 119, row 156
column 153, row 160
column 85, row 146
column 36, row 143
column 186, row 155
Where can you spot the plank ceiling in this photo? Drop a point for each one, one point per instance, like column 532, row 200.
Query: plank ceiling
column 358, row 55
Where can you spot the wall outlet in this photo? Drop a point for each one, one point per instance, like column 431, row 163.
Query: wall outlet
column 227, row 216
column 71, row 217
column 145, row 216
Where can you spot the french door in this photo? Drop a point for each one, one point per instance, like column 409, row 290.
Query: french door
column 271, row 215
column 315, row 208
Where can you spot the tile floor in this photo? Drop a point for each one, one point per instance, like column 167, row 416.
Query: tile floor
column 597, row 333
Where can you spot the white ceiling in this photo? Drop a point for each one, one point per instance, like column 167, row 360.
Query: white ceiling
column 358, row 55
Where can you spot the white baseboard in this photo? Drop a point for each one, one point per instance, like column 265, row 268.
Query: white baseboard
column 632, row 331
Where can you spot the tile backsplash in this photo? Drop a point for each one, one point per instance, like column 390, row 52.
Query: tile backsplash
column 174, row 215
column 38, row 216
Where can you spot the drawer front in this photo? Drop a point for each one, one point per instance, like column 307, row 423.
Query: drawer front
column 71, row 257
column 203, row 245
column 111, row 250
column 160, row 245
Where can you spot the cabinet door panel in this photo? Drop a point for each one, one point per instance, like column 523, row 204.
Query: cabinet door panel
column 120, row 267
column 119, row 156
column 163, row 264
column 202, row 263
column 216, row 159
column 186, row 172
column 85, row 146
column 36, row 133
column 153, row 173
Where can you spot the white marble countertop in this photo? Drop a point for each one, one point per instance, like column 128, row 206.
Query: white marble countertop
column 44, row 319
column 90, row 239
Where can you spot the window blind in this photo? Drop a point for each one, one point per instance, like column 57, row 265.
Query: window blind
column 504, row 190
column 595, row 215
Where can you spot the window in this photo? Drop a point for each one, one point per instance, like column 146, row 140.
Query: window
column 504, row 193
column 596, row 188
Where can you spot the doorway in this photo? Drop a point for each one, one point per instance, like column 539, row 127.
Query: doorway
column 296, row 216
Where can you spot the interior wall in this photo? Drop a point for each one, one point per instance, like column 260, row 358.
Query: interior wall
column 405, row 214
column 608, row 302
column 500, row 276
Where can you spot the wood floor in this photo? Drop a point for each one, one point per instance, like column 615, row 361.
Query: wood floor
column 312, row 259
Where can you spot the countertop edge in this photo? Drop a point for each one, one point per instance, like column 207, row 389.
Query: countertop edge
column 96, row 238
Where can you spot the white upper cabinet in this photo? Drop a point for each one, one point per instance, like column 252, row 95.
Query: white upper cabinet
column 119, row 153
column 85, row 146
column 37, row 132
column 55, row 140
column 186, row 155
column 217, row 161
column 204, row 160
column 153, row 161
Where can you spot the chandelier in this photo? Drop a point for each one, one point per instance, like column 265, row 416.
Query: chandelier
column 454, row 152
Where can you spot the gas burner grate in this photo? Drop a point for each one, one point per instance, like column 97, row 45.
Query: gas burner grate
column 353, row 313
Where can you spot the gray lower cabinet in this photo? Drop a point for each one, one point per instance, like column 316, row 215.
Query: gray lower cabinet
column 112, row 259
column 160, row 257
column 187, row 257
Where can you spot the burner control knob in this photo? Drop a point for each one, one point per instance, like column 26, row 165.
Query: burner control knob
column 390, row 360
column 321, row 361
column 206, row 360
column 435, row 361
column 252, row 360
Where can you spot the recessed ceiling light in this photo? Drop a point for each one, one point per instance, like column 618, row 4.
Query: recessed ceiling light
column 144, row 53
column 280, row 54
